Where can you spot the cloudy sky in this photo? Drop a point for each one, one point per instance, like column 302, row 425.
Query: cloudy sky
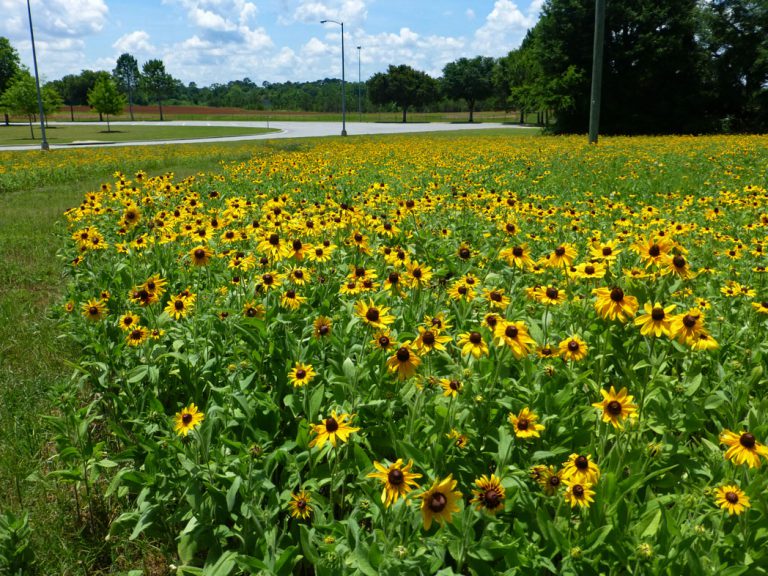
column 209, row 41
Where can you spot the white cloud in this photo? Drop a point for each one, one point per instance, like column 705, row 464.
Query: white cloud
column 470, row 14
column 136, row 41
column 311, row 11
column 504, row 28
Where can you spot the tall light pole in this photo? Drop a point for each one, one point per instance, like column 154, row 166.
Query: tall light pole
column 597, row 71
column 343, row 88
column 44, row 143
column 359, row 86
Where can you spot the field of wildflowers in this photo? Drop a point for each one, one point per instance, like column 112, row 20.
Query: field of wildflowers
column 422, row 355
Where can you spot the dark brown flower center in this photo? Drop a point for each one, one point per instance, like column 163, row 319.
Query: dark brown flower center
column 747, row 440
column 607, row 251
column 268, row 279
column 186, row 418
column 428, row 337
column 690, row 321
column 358, row 237
column 492, row 498
column 384, row 341
column 301, row 374
column 437, row 502
column 657, row 314
column 200, row 254
column 274, row 239
column 578, row 491
column 301, row 504
column 589, row 269
column 582, row 463
column 617, row 294
column 654, row 250
column 394, row 278
column 732, row 497
column 523, row 423
column 678, row 261
column 297, row 245
column 552, row 293
column 454, row 385
column 395, row 477
column 511, row 331
column 331, row 425
column 495, row 296
column 462, row 290
column 372, row 315
column 136, row 335
column 517, row 252
column 291, row 294
column 475, row 338
column 559, row 251
column 464, row 253
column 613, row 407
column 573, row 346
column 403, row 354
column 554, row 480
column 179, row 304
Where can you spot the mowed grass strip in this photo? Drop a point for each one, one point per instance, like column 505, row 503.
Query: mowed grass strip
column 16, row 135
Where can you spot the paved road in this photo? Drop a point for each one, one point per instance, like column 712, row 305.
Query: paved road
column 286, row 130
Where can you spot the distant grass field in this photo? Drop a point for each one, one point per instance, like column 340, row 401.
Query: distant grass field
column 59, row 134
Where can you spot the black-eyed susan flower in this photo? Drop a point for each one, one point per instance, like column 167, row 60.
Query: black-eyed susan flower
column 200, row 255
column 292, row 300
column 155, row 285
column 301, row 374
column 614, row 304
column 573, row 348
column 703, row 342
column 253, row 309
column 654, row 250
column 616, row 407
column 440, row 502
column 321, row 327
column 743, row 448
column 732, row 499
column 127, row 321
column 549, row 295
column 460, row 290
column 375, row 316
column 678, row 265
column 562, row 256
column 687, row 326
column 549, row 478
column 761, row 307
column 580, row 468
column 137, row 335
column 274, row 247
column 579, row 493
column 335, row 428
column 300, row 506
column 179, row 306
column 383, row 340
column 525, row 423
column 404, row 361
column 517, row 256
column 451, row 387
column 269, row 281
column 657, row 320
column 489, row 494
column 188, row 419
column 459, row 440
column 588, row 271
column 94, row 309
column 606, row 251
column 496, row 298
column 515, row 336
column 439, row 322
column 397, row 478
column 429, row 339
column 418, row 275
column 472, row 343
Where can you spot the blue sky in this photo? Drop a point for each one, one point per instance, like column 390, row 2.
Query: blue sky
column 210, row 41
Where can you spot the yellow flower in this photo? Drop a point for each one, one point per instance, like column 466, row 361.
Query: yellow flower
column 573, row 348
column 94, row 309
column 333, row 429
column 200, row 255
column 525, row 424
column 451, row 387
column 376, row 316
column 614, row 304
column 731, row 498
column 489, row 494
column 440, row 502
column 515, row 336
column 301, row 374
column 656, row 321
column 616, row 407
column 188, row 419
column 472, row 343
column 179, row 306
column 299, row 505
column 137, row 335
column 581, row 469
column 743, row 448
column 580, row 493
column 403, row 362
column 292, row 300
column 398, row 480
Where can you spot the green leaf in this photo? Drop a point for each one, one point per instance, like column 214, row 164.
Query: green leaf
column 232, row 493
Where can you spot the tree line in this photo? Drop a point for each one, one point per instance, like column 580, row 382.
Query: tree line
column 684, row 66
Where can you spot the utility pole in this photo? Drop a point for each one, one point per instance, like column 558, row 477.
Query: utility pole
column 359, row 86
column 597, row 71
column 343, row 82
column 44, row 143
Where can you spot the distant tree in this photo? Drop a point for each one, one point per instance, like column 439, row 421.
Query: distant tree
column 69, row 87
column 157, row 82
column 52, row 100
column 21, row 97
column 127, row 77
column 469, row 79
column 10, row 65
column 403, row 86
column 106, row 99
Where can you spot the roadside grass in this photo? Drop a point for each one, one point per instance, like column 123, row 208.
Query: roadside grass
column 65, row 134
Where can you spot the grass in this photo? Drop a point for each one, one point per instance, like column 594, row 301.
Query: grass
column 18, row 135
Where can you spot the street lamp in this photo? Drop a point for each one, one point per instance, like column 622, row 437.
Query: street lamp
column 44, row 143
column 359, row 86
column 343, row 90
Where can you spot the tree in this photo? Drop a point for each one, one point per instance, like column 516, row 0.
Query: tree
column 52, row 100
column 403, row 86
column 127, row 76
column 21, row 97
column 471, row 80
column 10, row 65
column 106, row 99
column 157, row 82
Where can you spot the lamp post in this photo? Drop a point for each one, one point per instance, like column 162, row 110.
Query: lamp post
column 343, row 89
column 44, row 143
column 597, row 71
column 359, row 86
